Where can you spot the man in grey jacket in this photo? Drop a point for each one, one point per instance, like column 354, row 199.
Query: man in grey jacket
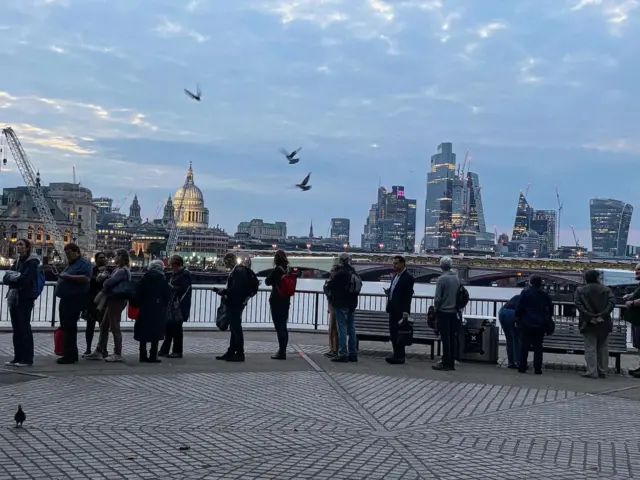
column 445, row 305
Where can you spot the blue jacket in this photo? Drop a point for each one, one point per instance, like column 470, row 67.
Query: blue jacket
column 534, row 308
column 26, row 283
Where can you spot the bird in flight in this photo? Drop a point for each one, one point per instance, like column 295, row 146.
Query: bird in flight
column 196, row 96
column 303, row 185
column 19, row 417
column 291, row 156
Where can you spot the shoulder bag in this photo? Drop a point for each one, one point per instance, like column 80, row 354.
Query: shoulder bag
column 174, row 312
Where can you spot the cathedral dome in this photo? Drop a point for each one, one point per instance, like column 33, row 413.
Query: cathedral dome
column 188, row 204
column 193, row 194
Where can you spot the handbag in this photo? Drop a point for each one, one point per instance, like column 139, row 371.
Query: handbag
column 405, row 333
column 174, row 311
column 222, row 319
column 125, row 290
column 58, row 341
column 132, row 312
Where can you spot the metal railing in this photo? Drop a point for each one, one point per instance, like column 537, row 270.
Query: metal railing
column 309, row 309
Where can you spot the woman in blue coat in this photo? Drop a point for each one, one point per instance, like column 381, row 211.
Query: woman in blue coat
column 507, row 317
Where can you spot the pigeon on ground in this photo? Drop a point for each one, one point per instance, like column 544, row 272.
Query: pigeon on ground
column 19, row 417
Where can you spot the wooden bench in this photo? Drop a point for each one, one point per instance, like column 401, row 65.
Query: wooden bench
column 567, row 339
column 373, row 325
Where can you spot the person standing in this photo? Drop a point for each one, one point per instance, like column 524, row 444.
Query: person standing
column 279, row 303
column 507, row 317
column 333, row 327
column 152, row 297
column 72, row 290
column 180, row 284
column 632, row 315
column 92, row 314
column 22, row 280
column 594, row 303
column 399, row 297
column 533, row 313
column 445, row 305
column 345, row 287
column 235, row 297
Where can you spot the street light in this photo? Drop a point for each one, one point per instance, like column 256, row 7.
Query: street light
column 308, row 246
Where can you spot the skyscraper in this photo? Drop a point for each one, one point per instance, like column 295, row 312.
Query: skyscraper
column 340, row 228
column 523, row 218
column 411, row 225
column 610, row 222
column 544, row 223
column 438, row 220
column 391, row 222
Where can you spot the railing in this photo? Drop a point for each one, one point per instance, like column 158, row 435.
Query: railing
column 309, row 309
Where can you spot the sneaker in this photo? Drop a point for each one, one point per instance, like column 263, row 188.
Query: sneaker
column 86, row 354
column 114, row 358
column 96, row 355
column 174, row 355
column 21, row 364
column 11, row 363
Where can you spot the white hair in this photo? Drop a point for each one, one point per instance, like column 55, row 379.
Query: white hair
column 344, row 258
column 445, row 263
column 156, row 265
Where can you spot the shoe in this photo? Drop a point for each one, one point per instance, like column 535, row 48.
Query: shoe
column 96, row 355
column 330, row 354
column 237, row 357
column 23, row 364
column 86, row 354
column 512, row 367
column 279, row 356
column 11, row 363
column 602, row 375
column 353, row 358
column 153, row 360
column 442, row 368
column 538, row 372
column 394, row 361
column 66, row 361
column 636, row 374
column 174, row 355
column 340, row 359
column 635, row 370
column 588, row 375
column 162, row 354
column 224, row 356
column 114, row 358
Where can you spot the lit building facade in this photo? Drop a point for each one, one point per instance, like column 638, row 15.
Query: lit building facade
column 260, row 230
column 110, row 239
column 340, row 229
column 438, row 221
column 610, row 223
column 190, row 201
column 544, row 223
column 522, row 222
column 391, row 224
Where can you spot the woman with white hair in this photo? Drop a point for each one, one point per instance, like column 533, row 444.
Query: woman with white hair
column 152, row 297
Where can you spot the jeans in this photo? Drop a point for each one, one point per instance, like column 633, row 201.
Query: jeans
column 22, row 335
column 512, row 335
column 236, row 341
column 70, row 309
column 449, row 326
column 596, row 351
column 173, row 334
column 347, row 339
column 280, row 316
column 531, row 338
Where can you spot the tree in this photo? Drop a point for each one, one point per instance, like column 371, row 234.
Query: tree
column 155, row 249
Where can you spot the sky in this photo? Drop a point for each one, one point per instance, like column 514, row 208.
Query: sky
column 540, row 92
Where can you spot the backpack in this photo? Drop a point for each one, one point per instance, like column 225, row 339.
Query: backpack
column 462, row 297
column 40, row 281
column 254, row 283
column 355, row 284
column 287, row 285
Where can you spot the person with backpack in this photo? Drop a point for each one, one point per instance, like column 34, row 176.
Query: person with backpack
column 345, row 287
column 447, row 306
column 283, row 287
column 26, row 281
column 242, row 284
column 399, row 298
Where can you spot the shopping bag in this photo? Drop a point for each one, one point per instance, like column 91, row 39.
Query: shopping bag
column 132, row 312
column 58, row 342
column 222, row 320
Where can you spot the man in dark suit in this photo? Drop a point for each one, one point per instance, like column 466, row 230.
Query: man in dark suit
column 399, row 296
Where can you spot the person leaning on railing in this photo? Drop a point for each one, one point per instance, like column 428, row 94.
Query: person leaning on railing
column 632, row 315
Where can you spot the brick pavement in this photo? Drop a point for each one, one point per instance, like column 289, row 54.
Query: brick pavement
column 310, row 420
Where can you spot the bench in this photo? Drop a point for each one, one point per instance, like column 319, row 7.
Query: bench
column 567, row 339
column 373, row 325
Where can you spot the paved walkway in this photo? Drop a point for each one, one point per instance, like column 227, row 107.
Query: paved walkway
column 308, row 418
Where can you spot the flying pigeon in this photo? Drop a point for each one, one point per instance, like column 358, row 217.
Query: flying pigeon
column 291, row 156
column 19, row 417
column 303, row 185
column 196, row 96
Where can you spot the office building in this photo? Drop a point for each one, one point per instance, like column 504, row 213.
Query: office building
column 438, row 220
column 544, row 222
column 610, row 222
column 340, row 228
column 260, row 230
column 524, row 213
column 391, row 223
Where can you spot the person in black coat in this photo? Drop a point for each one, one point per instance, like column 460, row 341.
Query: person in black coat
column 399, row 297
column 279, row 303
column 152, row 297
column 180, row 284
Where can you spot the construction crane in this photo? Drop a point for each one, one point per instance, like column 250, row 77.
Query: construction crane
column 461, row 174
column 526, row 192
column 32, row 180
column 119, row 204
column 560, row 208
column 495, row 232
column 174, row 229
column 575, row 238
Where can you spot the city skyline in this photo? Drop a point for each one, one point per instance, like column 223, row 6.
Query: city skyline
column 359, row 93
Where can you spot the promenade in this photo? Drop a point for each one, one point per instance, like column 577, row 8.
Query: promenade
column 308, row 418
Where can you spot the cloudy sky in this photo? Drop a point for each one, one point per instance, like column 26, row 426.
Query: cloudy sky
column 539, row 92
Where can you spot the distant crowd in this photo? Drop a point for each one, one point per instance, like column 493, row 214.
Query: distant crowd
column 100, row 293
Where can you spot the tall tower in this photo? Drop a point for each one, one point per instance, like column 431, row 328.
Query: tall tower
column 438, row 221
column 610, row 222
column 135, row 218
column 169, row 212
column 311, row 230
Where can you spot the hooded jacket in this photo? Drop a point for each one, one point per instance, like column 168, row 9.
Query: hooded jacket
column 26, row 280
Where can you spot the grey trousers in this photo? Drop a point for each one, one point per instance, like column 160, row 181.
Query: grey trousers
column 596, row 352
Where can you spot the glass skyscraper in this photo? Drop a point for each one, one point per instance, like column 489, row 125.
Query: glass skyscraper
column 524, row 213
column 391, row 224
column 340, row 228
column 610, row 222
column 438, row 221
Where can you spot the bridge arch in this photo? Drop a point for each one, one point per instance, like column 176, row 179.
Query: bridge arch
column 487, row 279
column 375, row 273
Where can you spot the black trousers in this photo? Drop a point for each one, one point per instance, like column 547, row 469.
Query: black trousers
column 22, row 334
column 70, row 310
column 280, row 316
column 531, row 339
column 174, row 334
column 153, row 351
column 94, row 316
column 236, row 341
column 398, row 349
column 449, row 326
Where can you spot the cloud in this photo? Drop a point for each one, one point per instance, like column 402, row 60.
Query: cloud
column 485, row 31
column 615, row 12
column 169, row 29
